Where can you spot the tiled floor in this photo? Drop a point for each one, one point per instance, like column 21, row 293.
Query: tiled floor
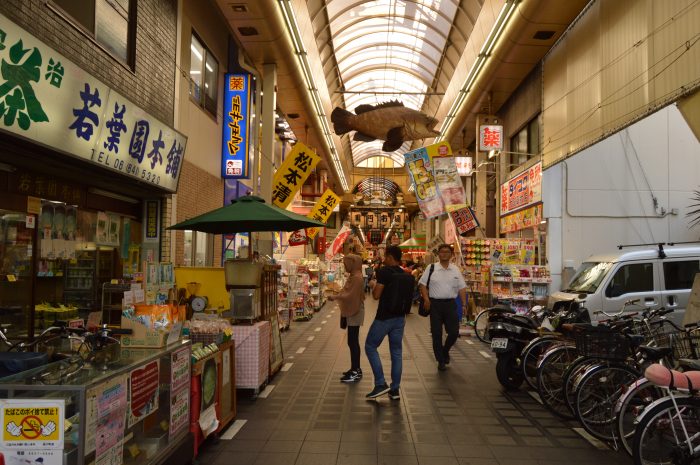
column 460, row 416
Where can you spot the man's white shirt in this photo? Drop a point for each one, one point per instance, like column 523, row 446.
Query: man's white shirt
column 445, row 283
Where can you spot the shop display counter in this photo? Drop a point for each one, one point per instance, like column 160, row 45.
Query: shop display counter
column 134, row 411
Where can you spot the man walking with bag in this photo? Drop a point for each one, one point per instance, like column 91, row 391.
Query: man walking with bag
column 393, row 288
column 440, row 285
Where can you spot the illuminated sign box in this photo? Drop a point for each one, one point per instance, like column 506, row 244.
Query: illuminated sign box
column 234, row 150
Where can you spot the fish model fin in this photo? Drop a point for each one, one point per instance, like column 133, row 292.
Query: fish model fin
column 394, row 139
column 364, row 109
column 393, row 103
column 360, row 137
column 341, row 121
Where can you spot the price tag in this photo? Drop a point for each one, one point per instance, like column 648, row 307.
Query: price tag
column 114, row 281
column 12, row 278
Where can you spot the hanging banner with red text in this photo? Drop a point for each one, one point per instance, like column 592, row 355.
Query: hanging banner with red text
column 522, row 191
column 322, row 210
column 297, row 237
column 464, row 219
column 338, row 242
column 289, row 178
column 420, row 169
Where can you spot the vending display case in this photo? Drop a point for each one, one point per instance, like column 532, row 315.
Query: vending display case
column 134, row 411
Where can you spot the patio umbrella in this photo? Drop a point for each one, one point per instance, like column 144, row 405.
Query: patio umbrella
column 247, row 214
column 413, row 244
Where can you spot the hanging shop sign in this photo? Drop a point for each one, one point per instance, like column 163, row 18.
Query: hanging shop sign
column 420, row 170
column 289, row 178
column 447, row 177
column 152, row 218
column 399, row 219
column 464, row 165
column 523, row 219
column 463, row 218
column 47, row 187
column 234, row 150
column 297, row 237
column 490, row 137
column 322, row 210
column 48, row 99
column 522, row 191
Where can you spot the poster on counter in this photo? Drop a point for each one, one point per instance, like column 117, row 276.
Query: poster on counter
column 420, row 170
column 179, row 411
column 111, row 408
column 143, row 392
column 32, row 423
column 180, row 368
column 31, row 456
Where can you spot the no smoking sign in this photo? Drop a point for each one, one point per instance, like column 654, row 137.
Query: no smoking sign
column 32, row 423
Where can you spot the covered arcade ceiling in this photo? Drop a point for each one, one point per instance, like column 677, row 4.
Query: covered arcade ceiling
column 450, row 59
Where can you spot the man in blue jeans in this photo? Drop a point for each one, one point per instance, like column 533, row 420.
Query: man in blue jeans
column 386, row 323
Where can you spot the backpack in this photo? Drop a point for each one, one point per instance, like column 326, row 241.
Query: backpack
column 400, row 293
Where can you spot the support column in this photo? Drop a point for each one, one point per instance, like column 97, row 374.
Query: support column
column 267, row 146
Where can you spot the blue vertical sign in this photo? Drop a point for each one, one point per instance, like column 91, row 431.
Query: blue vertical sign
column 234, row 150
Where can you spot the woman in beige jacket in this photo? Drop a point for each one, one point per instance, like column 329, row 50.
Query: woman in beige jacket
column 351, row 300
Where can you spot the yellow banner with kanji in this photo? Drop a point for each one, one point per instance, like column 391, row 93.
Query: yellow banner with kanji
column 292, row 174
column 322, row 210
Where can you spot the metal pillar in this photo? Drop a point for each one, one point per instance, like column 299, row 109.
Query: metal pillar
column 267, row 146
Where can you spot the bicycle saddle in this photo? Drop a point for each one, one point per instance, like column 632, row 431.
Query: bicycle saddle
column 655, row 353
column 672, row 379
column 636, row 340
column 501, row 308
column 522, row 319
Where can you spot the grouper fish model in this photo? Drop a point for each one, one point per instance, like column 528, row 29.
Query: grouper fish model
column 391, row 122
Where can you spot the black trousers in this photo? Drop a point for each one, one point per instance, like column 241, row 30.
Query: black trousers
column 443, row 313
column 354, row 345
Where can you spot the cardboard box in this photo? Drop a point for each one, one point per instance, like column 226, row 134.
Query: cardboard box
column 143, row 337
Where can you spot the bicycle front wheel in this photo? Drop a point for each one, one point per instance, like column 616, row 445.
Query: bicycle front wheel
column 661, row 433
column 481, row 326
column 632, row 403
column 596, row 397
column 550, row 379
column 531, row 356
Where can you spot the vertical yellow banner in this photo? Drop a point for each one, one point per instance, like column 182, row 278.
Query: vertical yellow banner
column 322, row 210
column 292, row 174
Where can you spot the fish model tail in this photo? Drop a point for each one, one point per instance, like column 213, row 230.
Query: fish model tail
column 341, row 121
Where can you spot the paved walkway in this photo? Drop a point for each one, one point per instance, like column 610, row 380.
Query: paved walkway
column 460, row 416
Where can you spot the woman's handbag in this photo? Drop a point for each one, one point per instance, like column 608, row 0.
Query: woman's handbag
column 421, row 309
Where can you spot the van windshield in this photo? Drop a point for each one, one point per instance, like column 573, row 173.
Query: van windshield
column 588, row 277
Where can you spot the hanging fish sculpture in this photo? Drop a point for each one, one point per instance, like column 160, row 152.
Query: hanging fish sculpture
column 391, row 122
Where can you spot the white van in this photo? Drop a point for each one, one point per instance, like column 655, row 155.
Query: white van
column 658, row 277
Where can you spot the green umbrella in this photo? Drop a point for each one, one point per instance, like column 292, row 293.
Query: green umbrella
column 247, row 214
column 413, row 244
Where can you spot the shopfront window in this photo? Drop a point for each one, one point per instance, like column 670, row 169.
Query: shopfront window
column 112, row 23
column 199, row 249
column 525, row 143
column 204, row 74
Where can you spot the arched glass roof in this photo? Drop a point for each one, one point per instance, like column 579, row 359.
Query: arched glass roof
column 388, row 50
column 376, row 190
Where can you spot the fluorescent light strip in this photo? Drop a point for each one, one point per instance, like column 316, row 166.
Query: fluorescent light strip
column 489, row 44
column 293, row 30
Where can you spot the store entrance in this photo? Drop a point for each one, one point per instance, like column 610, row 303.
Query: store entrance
column 16, row 246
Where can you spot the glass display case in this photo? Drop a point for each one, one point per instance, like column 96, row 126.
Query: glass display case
column 136, row 410
column 16, row 245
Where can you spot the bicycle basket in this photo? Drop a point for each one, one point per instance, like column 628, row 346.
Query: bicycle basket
column 602, row 343
column 686, row 345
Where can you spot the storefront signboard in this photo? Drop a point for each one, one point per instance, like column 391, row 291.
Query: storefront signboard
column 322, row 210
column 234, row 156
column 32, row 423
column 46, row 98
column 490, row 137
column 420, row 170
column 152, row 219
column 289, row 178
column 463, row 218
column 522, row 191
column 523, row 219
